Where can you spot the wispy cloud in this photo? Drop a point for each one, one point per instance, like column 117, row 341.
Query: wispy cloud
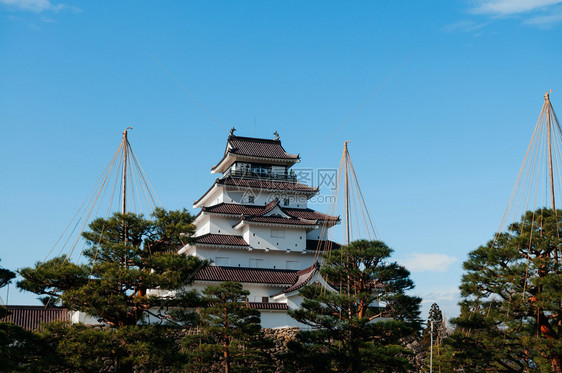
column 466, row 26
column 446, row 298
column 512, row 7
column 537, row 13
column 450, row 295
column 546, row 20
column 419, row 262
column 36, row 6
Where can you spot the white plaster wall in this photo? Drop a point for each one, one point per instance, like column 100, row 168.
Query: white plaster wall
column 269, row 319
column 260, row 238
column 257, row 291
column 203, row 225
column 223, row 225
column 262, row 198
column 245, row 233
column 79, row 317
column 214, row 197
column 230, row 196
column 241, row 257
column 277, row 319
column 294, row 302
column 217, row 224
column 316, row 234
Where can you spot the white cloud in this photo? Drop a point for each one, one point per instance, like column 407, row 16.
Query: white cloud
column 420, row 262
column 546, row 20
column 447, row 299
column 511, row 7
column 36, row 6
column 451, row 295
column 466, row 26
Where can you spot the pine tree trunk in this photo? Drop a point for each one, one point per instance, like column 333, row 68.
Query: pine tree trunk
column 226, row 358
column 355, row 356
column 556, row 364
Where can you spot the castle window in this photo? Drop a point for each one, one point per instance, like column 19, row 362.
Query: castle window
column 265, row 299
column 278, row 233
column 292, row 264
column 251, row 199
column 222, row 261
column 286, row 201
column 256, row 263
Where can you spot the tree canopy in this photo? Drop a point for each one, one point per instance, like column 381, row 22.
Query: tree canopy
column 6, row 277
column 132, row 267
column 358, row 327
column 511, row 312
column 230, row 331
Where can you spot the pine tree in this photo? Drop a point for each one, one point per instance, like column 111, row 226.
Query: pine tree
column 79, row 348
column 6, row 277
column 435, row 318
column 230, row 331
column 19, row 348
column 126, row 257
column 358, row 327
column 511, row 312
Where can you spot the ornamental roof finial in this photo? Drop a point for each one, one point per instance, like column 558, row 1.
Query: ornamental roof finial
column 232, row 131
column 125, row 132
column 276, row 135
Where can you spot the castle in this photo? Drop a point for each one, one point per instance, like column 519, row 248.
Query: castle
column 256, row 228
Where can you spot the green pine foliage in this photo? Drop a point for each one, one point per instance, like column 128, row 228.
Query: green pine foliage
column 229, row 331
column 6, row 277
column 19, row 348
column 357, row 327
column 511, row 312
column 435, row 317
column 126, row 257
column 80, row 348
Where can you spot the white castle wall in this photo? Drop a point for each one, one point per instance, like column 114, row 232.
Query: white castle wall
column 260, row 237
column 261, row 198
column 255, row 258
column 315, row 234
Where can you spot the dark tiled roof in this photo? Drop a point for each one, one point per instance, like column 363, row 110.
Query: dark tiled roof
column 252, row 275
column 31, row 317
column 254, row 147
column 304, row 276
column 268, row 306
column 220, row 239
column 269, row 207
column 309, row 214
column 267, row 184
column 322, row 245
column 236, row 209
column 279, row 220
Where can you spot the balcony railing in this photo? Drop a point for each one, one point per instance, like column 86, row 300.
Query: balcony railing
column 261, row 174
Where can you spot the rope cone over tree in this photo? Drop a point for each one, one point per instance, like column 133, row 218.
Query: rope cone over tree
column 511, row 312
column 359, row 309
column 127, row 255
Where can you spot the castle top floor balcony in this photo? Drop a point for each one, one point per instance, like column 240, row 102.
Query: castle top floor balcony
column 261, row 174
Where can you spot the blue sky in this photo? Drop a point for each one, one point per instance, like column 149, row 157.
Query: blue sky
column 457, row 85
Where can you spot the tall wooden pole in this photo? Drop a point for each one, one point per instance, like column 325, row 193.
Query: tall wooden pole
column 431, row 350
column 125, row 155
column 549, row 139
column 549, row 114
column 346, row 189
column 124, row 195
